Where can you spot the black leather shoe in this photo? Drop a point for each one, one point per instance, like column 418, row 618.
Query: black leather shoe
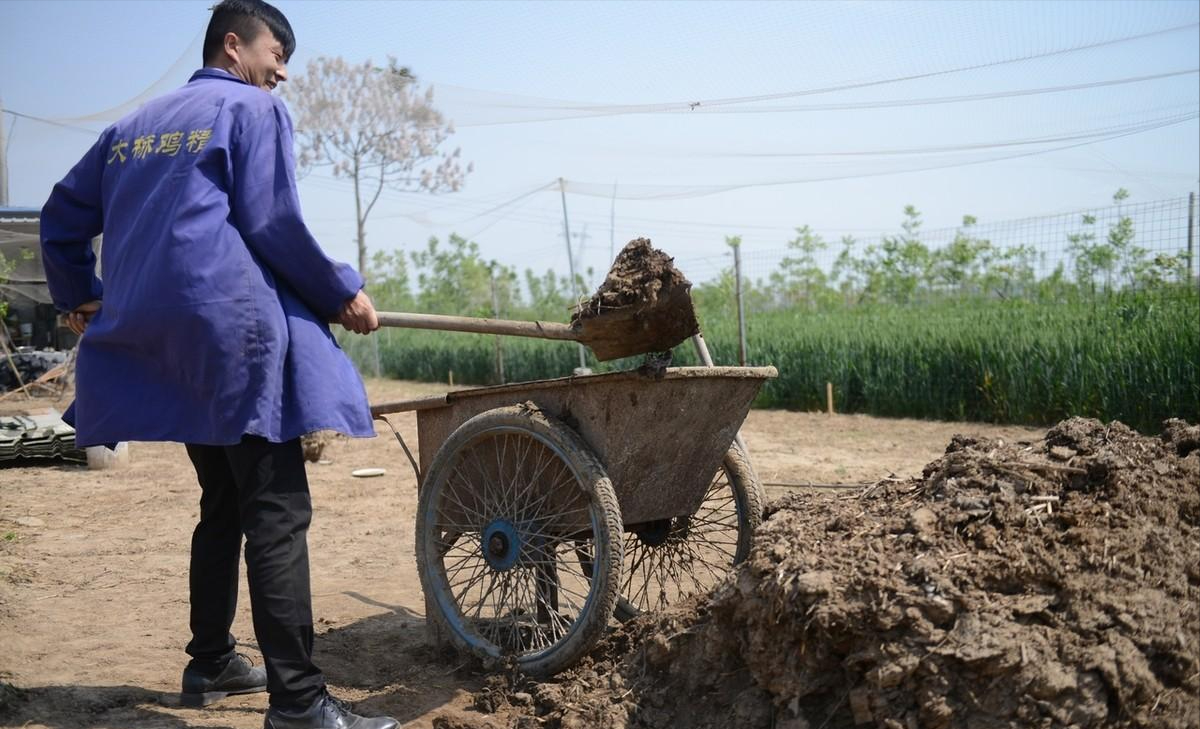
column 326, row 713
column 238, row 677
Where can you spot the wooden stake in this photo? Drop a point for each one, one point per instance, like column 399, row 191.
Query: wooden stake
column 451, row 376
column 21, row 386
column 829, row 398
column 496, row 313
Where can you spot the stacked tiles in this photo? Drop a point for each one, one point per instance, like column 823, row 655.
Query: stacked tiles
column 38, row 436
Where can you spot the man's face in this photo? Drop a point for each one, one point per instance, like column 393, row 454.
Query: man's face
column 260, row 62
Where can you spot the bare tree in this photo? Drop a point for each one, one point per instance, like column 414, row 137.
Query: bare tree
column 374, row 126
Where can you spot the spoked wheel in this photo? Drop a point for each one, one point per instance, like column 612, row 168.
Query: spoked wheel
column 519, row 540
column 669, row 559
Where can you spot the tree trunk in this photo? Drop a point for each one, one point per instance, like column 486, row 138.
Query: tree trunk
column 362, row 256
column 358, row 218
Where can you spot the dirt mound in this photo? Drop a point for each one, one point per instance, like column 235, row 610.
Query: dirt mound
column 644, row 305
column 1039, row 584
column 639, row 276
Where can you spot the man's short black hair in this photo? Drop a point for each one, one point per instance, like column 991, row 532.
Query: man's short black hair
column 242, row 17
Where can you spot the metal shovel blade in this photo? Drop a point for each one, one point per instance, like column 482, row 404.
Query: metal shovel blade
column 644, row 305
column 639, row 328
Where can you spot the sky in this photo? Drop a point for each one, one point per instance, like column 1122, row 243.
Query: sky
column 684, row 122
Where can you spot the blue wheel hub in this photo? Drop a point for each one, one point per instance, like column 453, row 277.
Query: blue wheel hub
column 501, row 544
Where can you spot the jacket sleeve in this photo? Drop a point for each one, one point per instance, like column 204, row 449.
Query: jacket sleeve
column 266, row 209
column 71, row 218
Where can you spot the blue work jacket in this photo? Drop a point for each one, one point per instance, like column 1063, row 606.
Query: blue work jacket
column 215, row 294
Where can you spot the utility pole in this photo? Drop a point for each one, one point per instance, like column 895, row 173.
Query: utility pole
column 581, row 236
column 612, row 226
column 562, row 189
column 741, row 311
column 3, row 159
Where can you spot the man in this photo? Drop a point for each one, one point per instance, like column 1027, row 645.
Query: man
column 210, row 330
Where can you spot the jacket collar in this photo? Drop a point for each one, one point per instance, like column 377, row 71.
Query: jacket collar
column 212, row 72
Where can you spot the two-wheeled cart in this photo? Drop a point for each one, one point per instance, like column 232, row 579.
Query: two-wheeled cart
column 547, row 508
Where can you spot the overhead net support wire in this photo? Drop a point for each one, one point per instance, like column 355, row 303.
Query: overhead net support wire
column 530, row 108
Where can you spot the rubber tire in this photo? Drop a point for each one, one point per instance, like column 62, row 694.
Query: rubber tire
column 748, row 501
column 605, row 514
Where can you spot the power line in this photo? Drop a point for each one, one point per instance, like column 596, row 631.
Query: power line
column 516, row 199
column 72, row 127
column 675, row 192
column 968, row 146
column 477, row 207
column 583, row 109
column 961, row 98
column 520, row 201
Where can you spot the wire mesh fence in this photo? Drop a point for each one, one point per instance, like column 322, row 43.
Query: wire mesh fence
column 1092, row 312
column 1120, row 247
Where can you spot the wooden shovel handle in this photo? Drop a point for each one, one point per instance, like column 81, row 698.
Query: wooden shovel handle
column 441, row 322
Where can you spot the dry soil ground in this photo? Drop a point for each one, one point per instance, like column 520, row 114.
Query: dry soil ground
column 93, row 571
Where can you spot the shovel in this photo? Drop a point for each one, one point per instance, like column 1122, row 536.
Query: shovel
column 610, row 334
column 643, row 306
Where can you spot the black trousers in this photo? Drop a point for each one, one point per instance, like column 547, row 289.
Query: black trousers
column 259, row 490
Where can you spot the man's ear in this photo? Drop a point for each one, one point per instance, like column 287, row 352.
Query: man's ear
column 232, row 45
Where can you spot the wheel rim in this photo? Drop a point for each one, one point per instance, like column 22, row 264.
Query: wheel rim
column 670, row 559
column 507, row 524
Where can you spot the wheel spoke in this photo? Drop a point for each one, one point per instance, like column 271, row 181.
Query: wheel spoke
column 458, row 563
column 510, row 484
column 696, row 553
column 535, row 478
column 473, row 581
column 713, row 569
column 483, row 597
column 529, row 508
column 451, row 494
